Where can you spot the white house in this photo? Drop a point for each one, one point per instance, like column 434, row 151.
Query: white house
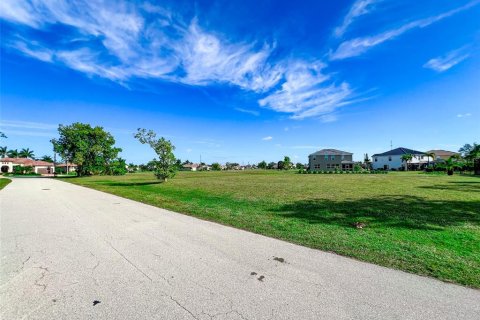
column 41, row 167
column 191, row 167
column 392, row 160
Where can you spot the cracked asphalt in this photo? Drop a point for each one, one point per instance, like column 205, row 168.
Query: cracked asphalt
column 68, row 252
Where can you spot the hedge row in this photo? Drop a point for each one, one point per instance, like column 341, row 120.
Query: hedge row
column 343, row 172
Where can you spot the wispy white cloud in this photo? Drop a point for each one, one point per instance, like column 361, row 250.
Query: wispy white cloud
column 252, row 112
column 267, row 138
column 307, row 92
column 114, row 40
column 463, row 115
column 27, row 125
column 358, row 46
column 447, row 61
column 359, row 8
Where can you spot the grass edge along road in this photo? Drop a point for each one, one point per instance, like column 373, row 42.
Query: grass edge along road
column 4, row 182
column 419, row 223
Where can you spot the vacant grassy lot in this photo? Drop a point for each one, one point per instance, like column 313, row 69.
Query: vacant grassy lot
column 425, row 224
column 4, row 182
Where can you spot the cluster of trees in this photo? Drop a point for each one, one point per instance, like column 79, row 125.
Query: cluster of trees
column 91, row 148
column 285, row 164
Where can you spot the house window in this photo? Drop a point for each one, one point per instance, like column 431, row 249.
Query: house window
column 389, row 158
column 328, row 165
column 326, row 157
column 375, row 159
column 333, row 157
column 313, row 158
column 343, row 157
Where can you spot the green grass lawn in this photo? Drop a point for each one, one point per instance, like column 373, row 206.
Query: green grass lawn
column 424, row 224
column 4, row 182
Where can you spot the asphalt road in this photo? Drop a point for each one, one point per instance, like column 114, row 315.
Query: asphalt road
column 64, row 247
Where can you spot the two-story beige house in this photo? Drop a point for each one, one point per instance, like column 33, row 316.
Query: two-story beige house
column 330, row 159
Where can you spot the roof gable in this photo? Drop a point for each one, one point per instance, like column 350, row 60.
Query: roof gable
column 398, row 152
column 331, row 152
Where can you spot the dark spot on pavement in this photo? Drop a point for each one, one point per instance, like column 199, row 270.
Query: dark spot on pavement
column 253, row 273
column 279, row 259
column 95, row 302
column 54, row 300
column 261, row 278
column 45, row 189
column 116, row 203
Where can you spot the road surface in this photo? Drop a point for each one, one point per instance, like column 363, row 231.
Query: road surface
column 68, row 252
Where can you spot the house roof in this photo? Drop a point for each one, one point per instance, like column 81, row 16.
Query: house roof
column 331, row 152
column 398, row 152
column 26, row 162
column 439, row 153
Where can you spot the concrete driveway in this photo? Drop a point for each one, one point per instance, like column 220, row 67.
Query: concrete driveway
column 69, row 252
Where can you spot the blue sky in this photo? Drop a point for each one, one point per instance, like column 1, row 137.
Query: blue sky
column 244, row 81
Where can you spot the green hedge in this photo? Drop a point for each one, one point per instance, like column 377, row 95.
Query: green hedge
column 342, row 172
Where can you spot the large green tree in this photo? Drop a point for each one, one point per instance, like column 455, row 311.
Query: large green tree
column 3, row 152
column 166, row 165
column 91, row 148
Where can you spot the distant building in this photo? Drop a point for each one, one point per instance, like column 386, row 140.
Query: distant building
column 330, row 159
column 442, row 155
column 67, row 167
column 392, row 160
column 40, row 167
column 190, row 167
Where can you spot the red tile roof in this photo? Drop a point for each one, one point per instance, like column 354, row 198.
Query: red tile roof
column 27, row 162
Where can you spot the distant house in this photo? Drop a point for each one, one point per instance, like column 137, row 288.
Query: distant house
column 67, row 167
column 330, row 159
column 392, row 160
column 442, row 155
column 40, row 167
column 190, row 167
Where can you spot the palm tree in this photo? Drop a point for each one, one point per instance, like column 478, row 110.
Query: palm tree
column 3, row 152
column 452, row 163
column 47, row 158
column 430, row 155
column 12, row 153
column 407, row 158
column 26, row 153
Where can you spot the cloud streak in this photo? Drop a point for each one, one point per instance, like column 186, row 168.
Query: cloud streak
column 252, row 112
column 443, row 63
column 358, row 46
column 359, row 8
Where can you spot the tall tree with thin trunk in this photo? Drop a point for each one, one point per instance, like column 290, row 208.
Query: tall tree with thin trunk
column 166, row 165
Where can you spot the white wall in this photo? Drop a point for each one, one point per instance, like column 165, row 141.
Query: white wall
column 396, row 162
